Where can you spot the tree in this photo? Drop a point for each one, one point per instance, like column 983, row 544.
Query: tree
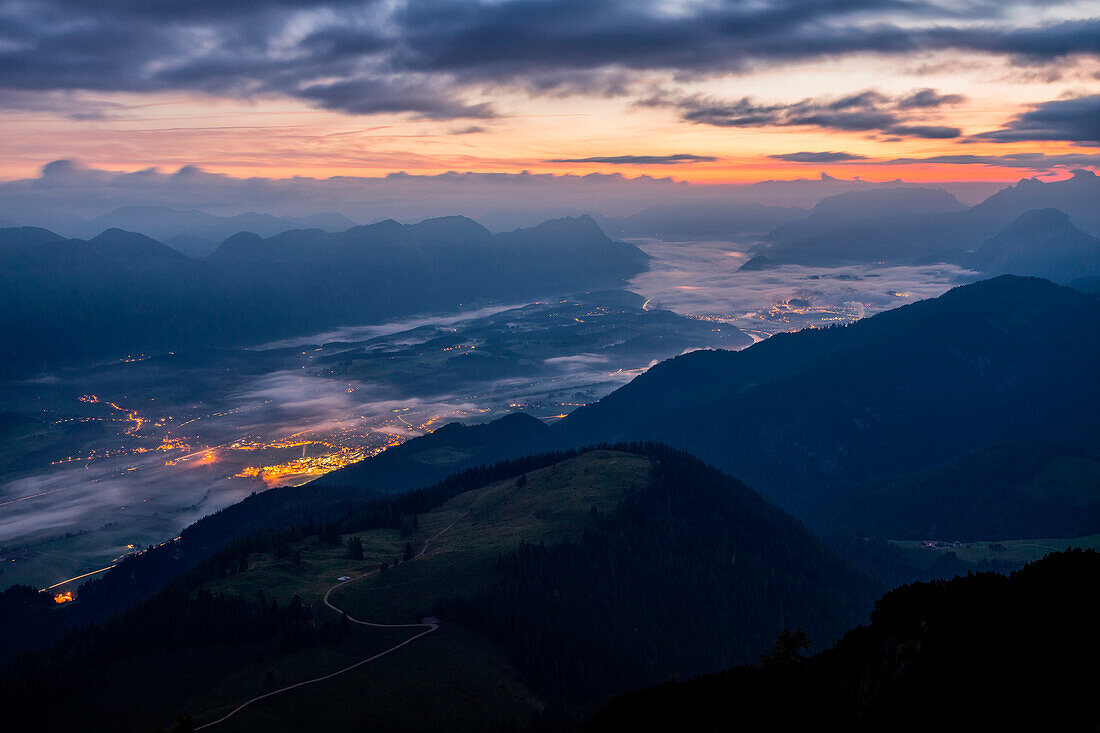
column 788, row 647
column 408, row 552
column 355, row 548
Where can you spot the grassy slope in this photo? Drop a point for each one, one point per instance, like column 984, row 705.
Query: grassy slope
column 554, row 504
column 467, row 678
column 1017, row 552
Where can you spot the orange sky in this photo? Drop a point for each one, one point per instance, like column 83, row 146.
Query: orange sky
column 280, row 137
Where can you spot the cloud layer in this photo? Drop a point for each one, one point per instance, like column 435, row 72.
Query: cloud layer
column 446, row 58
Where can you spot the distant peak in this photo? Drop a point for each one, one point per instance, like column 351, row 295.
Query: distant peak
column 1042, row 216
column 114, row 234
column 759, row 262
column 584, row 221
column 241, row 237
column 451, row 223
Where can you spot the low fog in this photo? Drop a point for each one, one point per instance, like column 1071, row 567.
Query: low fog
column 702, row 278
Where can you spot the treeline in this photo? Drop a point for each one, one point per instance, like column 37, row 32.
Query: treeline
column 981, row 652
column 392, row 512
column 1007, row 491
column 170, row 622
column 690, row 574
column 889, row 564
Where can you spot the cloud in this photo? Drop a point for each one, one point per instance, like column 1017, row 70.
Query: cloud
column 640, row 159
column 1075, row 120
column 866, row 111
column 1028, row 161
column 925, row 98
column 438, row 58
column 66, row 188
column 369, row 96
column 934, row 132
column 822, row 157
column 72, row 105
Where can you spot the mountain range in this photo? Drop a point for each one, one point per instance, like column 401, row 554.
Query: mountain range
column 67, row 300
column 192, row 232
column 905, row 225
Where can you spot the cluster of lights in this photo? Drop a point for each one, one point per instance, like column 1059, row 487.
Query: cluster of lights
column 310, row 466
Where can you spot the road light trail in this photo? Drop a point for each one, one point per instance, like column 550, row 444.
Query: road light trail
column 85, row 575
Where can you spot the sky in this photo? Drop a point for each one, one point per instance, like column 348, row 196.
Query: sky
column 702, row 91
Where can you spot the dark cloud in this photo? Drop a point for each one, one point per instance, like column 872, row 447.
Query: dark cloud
column 73, row 105
column 640, row 159
column 822, row 157
column 933, row 132
column 1075, row 120
column 367, row 96
column 866, row 111
column 1028, row 161
column 434, row 58
column 925, row 98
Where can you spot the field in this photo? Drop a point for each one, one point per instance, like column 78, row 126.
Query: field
column 922, row 553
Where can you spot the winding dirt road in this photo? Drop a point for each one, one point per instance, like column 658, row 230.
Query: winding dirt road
column 428, row 627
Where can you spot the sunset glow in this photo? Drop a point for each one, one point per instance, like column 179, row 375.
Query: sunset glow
column 918, row 88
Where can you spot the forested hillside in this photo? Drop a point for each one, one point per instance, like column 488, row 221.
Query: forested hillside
column 692, row 569
column 984, row 652
column 804, row 417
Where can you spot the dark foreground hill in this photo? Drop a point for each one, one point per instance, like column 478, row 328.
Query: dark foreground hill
column 67, row 300
column 985, row 652
column 560, row 580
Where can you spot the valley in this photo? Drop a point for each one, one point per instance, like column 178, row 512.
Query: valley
column 88, row 453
